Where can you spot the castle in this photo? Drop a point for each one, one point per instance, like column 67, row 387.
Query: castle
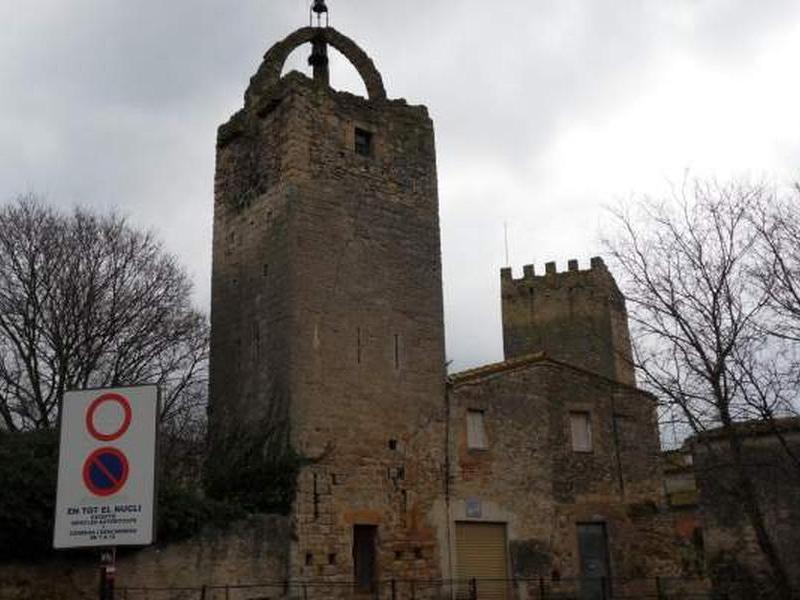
column 327, row 335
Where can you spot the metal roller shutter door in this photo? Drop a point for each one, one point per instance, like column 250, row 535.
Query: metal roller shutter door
column 481, row 553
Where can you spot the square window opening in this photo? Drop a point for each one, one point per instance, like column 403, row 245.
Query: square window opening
column 363, row 142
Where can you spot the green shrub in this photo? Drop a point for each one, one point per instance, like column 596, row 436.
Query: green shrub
column 28, row 472
column 254, row 471
column 28, row 468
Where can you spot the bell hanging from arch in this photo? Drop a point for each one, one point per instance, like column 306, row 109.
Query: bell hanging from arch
column 319, row 7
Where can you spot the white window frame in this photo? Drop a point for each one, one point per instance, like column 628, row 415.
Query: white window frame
column 476, row 430
column 579, row 445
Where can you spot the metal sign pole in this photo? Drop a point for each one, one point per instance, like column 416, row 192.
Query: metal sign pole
column 107, row 573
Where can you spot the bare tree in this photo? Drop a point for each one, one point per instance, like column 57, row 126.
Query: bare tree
column 87, row 300
column 698, row 317
column 779, row 257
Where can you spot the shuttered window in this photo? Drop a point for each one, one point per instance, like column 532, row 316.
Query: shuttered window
column 481, row 554
column 581, row 428
column 476, row 430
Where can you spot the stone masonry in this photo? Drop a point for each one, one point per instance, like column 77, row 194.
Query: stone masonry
column 526, row 404
column 327, row 336
column 327, row 324
column 248, row 551
column 735, row 562
column 578, row 316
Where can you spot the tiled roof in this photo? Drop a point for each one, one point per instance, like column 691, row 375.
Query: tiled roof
column 521, row 362
column 498, row 367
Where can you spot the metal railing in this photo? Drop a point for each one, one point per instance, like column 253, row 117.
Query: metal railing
column 539, row 588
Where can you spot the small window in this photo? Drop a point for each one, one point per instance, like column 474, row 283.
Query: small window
column 476, row 430
column 363, row 142
column 581, row 427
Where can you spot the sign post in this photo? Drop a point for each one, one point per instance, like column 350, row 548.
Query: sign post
column 106, row 473
column 107, row 573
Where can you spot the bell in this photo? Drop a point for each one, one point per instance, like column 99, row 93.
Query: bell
column 319, row 7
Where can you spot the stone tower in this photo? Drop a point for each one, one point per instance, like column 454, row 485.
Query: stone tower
column 327, row 326
column 577, row 316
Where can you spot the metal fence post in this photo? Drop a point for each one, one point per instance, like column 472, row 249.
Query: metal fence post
column 394, row 589
column 659, row 589
column 541, row 588
column 473, row 589
column 203, row 591
column 605, row 587
column 227, row 592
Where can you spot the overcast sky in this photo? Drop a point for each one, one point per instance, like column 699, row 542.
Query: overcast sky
column 546, row 111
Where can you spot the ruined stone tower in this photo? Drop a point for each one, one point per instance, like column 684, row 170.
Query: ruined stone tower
column 327, row 322
column 577, row 316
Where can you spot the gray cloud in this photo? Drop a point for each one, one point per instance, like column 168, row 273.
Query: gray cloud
column 115, row 104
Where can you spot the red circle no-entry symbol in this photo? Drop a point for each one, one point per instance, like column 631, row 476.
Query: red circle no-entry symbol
column 91, row 426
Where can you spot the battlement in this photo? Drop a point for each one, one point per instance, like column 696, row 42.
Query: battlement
column 596, row 264
column 577, row 315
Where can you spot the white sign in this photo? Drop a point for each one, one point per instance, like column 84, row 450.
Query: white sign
column 106, row 468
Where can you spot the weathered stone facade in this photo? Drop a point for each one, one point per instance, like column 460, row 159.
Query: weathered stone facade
column 734, row 560
column 327, row 334
column 254, row 550
column 327, row 322
column 680, row 488
column 577, row 316
column 529, row 476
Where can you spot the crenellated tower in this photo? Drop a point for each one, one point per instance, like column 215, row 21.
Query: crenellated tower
column 577, row 316
column 327, row 326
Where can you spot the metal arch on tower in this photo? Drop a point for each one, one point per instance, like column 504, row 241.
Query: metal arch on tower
column 269, row 73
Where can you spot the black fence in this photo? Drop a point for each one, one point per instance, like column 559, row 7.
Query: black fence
column 662, row 588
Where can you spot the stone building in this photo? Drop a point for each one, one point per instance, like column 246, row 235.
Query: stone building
column 680, row 489
column 327, row 336
column 771, row 451
column 561, row 458
column 327, row 326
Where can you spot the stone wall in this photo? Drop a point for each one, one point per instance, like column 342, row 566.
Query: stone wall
column 732, row 552
column 248, row 552
column 327, row 333
column 577, row 316
column 530, row 478
column 327, row 325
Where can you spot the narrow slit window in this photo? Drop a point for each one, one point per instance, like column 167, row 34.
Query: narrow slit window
column 358, row 345
column 396, row 351
column 581, row 430
column 256, row 342
column 476, row 430
column 363, row 142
